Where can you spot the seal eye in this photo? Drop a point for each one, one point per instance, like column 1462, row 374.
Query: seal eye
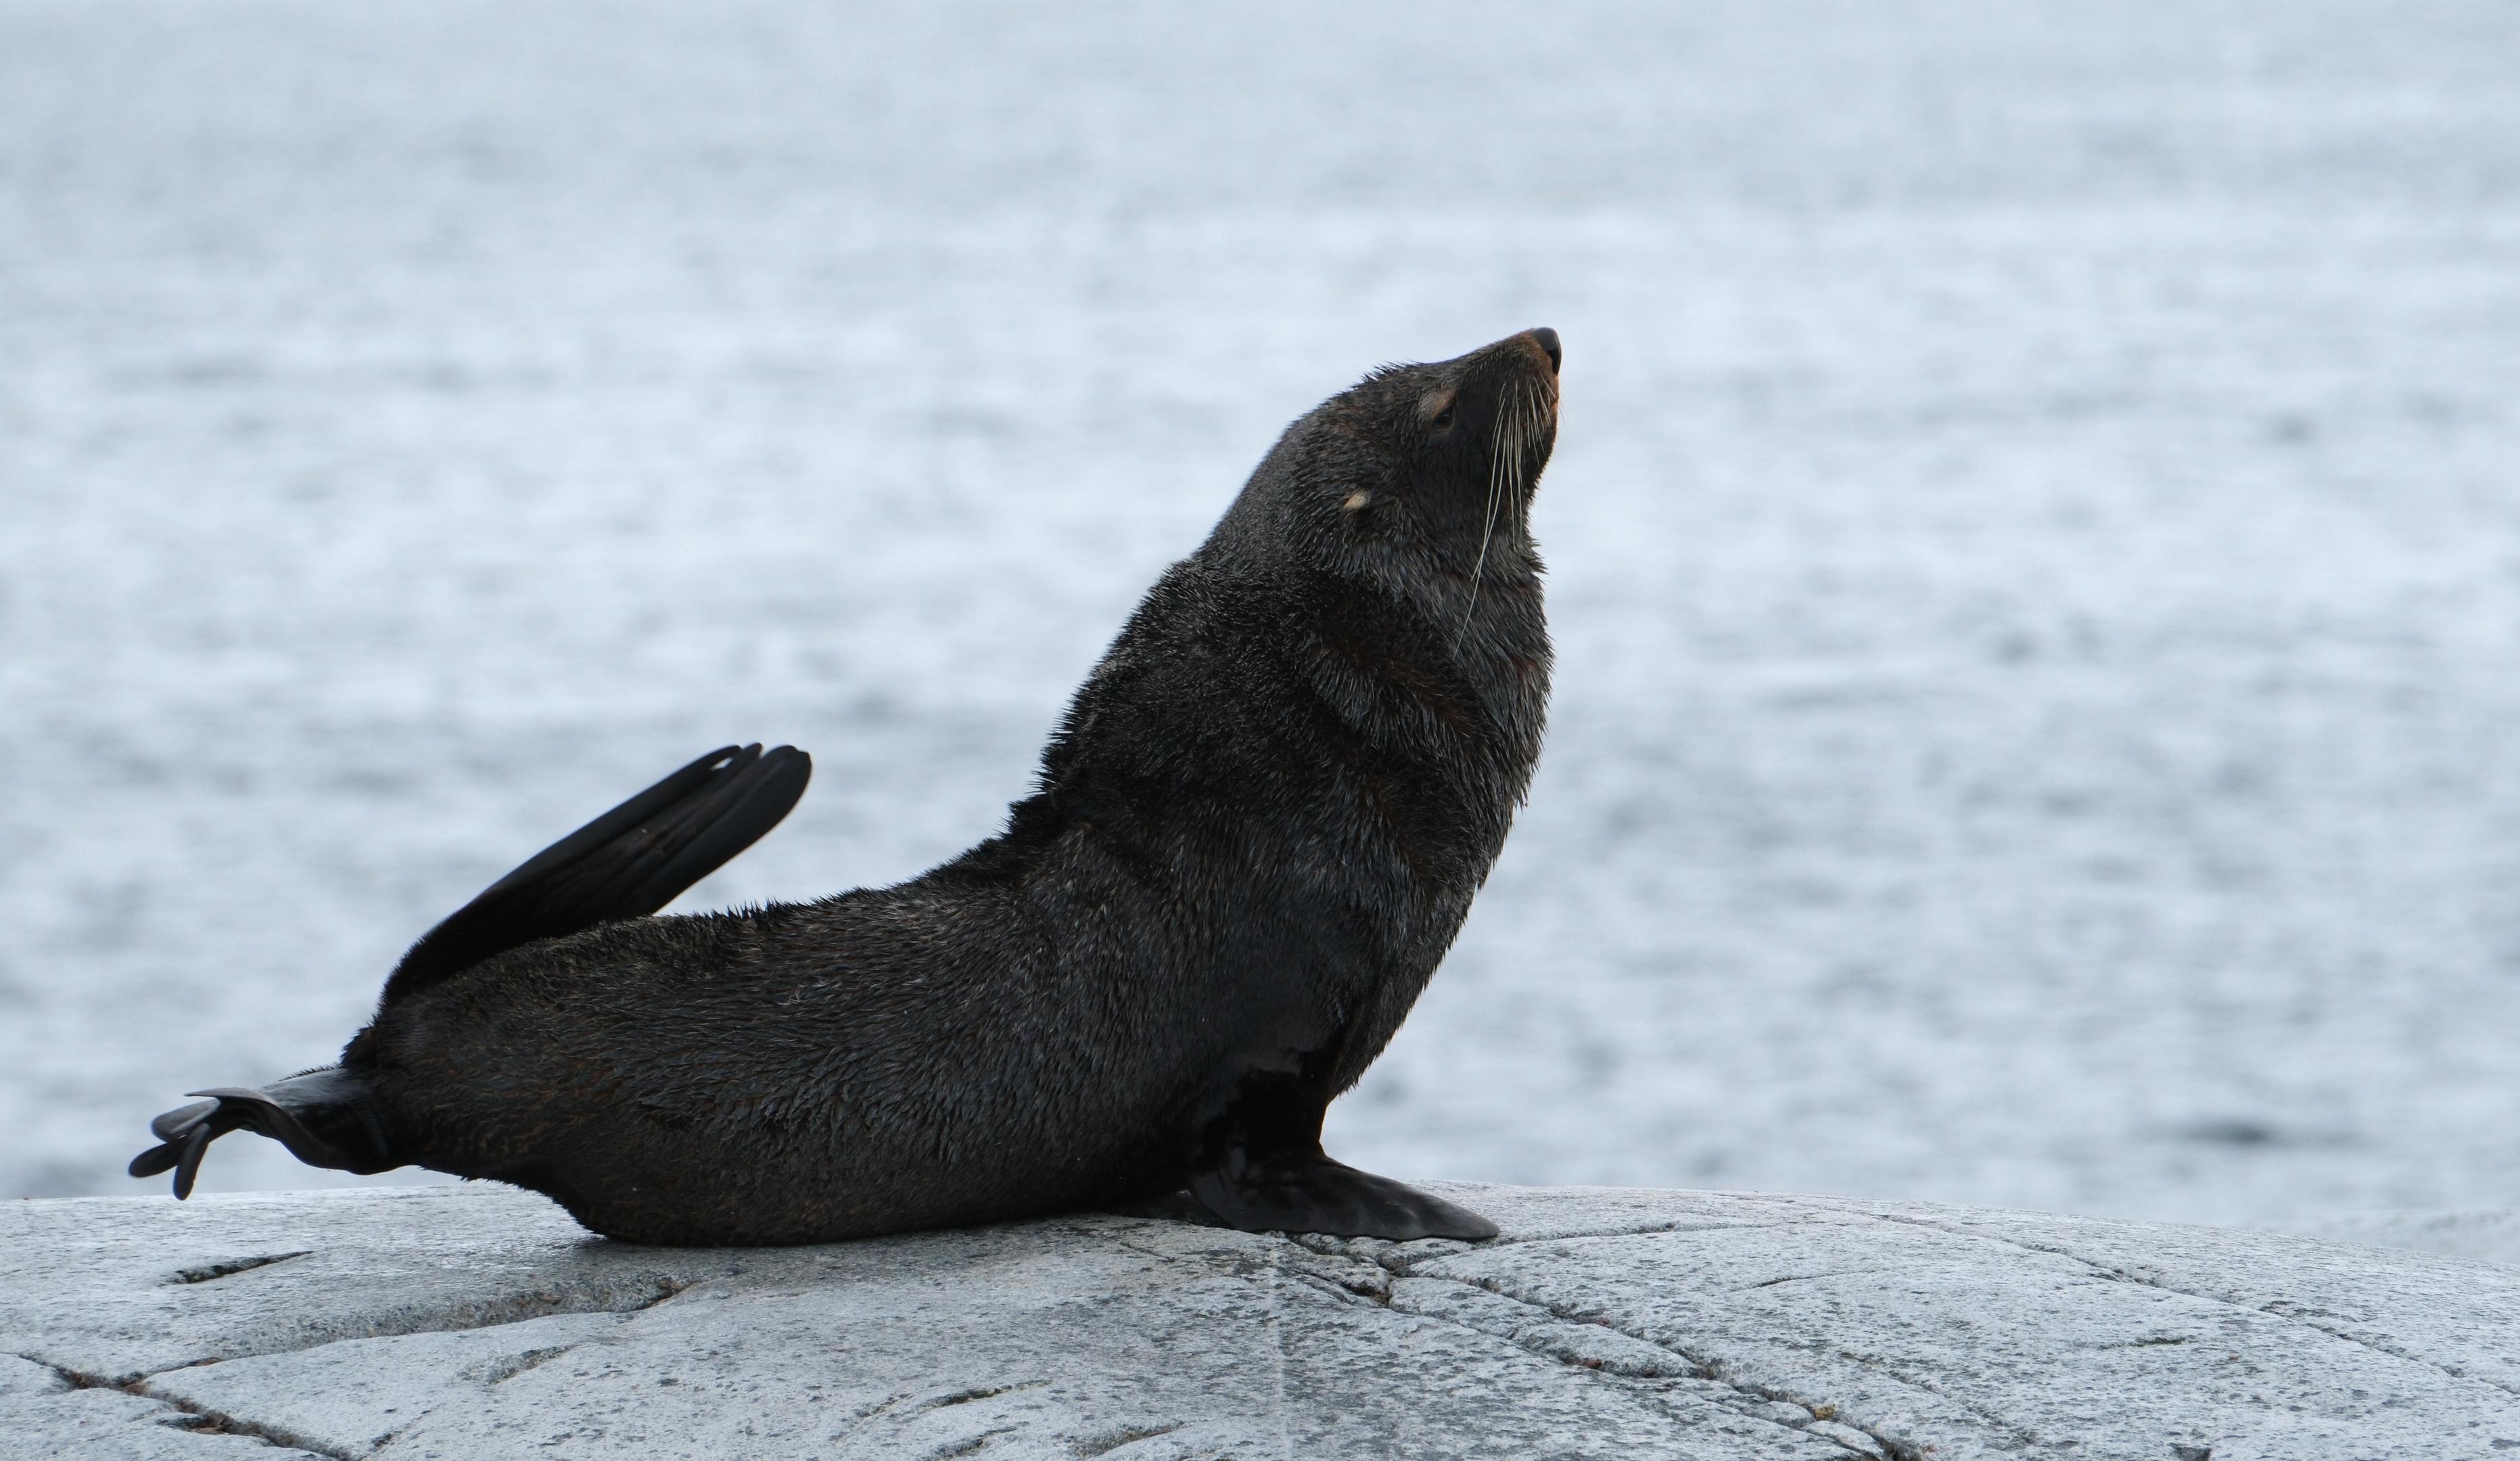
column 1443, row 418
column 1438, row 410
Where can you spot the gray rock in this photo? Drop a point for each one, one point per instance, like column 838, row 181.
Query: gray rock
column 43, row 1414
column 479, row 1322
column 2492, row 1237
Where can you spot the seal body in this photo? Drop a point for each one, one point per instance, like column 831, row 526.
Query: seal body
column 1255, row 833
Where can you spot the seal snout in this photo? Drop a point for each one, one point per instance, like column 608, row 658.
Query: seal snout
column 1546, row 340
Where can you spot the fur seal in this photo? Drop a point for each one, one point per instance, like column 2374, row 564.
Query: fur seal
column 1254, row 834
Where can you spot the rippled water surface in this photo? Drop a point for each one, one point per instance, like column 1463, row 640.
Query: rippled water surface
column 2035, row 541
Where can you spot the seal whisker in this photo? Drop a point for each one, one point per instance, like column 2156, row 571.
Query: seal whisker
column 1507, row 441
column 1487, row 524
column 1524, row 420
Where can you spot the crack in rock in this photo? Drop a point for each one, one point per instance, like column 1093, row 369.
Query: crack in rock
column 1332, row 1263
column 70, row 1378
column 1328, row 1269
column 508, row 1367
column 199, row 1420
column 1714, row 1368
column 859, row 1419
column 2011, row 1429
column 221, row 1423
column 1805, row 1278
column 1641, row 1361
column 1125, row 1436
column 667, row 1287
column 966, row 1447
column 206, row 1272
column 510, row 1308
column 967, row 1396
column 2280, row 1308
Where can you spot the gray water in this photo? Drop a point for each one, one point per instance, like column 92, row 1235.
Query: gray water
column 2035, row 541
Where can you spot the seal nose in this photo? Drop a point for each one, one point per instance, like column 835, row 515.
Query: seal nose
column 1548, row 340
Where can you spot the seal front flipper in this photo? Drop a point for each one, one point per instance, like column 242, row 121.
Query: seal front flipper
column 326, row 1117
column 1265, row 1172
column 1296, row 1192
column 626, row 863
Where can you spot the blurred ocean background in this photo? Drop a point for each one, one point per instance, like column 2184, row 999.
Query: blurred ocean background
column 2034, row 538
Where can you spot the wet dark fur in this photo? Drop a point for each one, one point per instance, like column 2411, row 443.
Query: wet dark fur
column 1256, row 832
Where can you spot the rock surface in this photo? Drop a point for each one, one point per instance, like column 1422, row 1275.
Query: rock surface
column 479, row 1322
column 2491, row 1236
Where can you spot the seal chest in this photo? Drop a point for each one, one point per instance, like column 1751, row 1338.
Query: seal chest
column 1254, row 834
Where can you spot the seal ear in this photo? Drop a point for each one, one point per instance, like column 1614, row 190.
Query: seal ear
column 626, row 863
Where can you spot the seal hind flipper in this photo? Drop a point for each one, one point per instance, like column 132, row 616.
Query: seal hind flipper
column 326, row 1117
column 173, row 1123
column 626, row 863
